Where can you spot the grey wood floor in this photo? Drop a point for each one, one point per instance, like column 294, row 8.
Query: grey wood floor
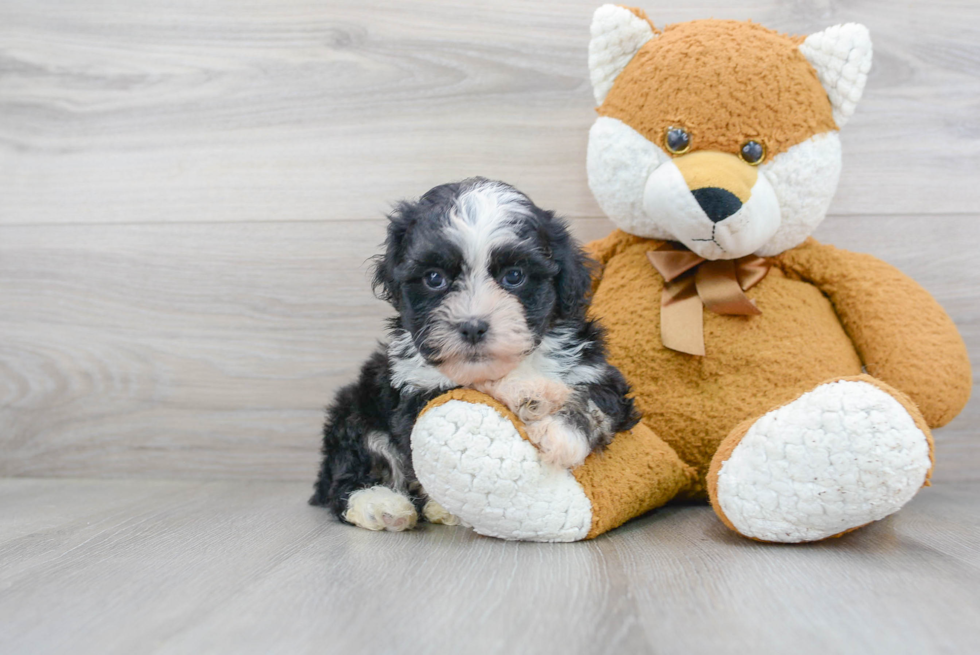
column 237, row 567
column 189, row 190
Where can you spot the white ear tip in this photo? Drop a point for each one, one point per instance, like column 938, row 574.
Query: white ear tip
column 841, row 56
column 601, row 18
column 617, row 33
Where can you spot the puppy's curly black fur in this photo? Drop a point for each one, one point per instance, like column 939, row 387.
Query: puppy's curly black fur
column 484, row 283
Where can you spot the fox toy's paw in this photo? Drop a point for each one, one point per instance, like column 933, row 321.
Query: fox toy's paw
column 474, row 461
column 847, row 453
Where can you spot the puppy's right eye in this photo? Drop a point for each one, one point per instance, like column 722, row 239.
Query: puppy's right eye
column 435, row 279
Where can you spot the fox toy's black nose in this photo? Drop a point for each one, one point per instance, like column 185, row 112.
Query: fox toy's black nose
column 474, row 331
column 717, row 203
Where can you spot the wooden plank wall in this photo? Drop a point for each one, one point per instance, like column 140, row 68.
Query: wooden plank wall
column 189, row 190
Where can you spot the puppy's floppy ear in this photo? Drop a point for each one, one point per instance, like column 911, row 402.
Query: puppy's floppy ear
column 385, row 284
column 573, row 281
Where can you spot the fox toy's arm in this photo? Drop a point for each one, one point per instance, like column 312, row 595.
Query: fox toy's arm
column 602, row 250
column 902, row 335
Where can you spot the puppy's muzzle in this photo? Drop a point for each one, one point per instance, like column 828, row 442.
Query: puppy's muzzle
column 473, row 331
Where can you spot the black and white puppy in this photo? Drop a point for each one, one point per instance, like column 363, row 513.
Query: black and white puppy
column 491, row 293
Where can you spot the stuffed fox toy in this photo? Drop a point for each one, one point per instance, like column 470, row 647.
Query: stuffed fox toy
column 792, row 384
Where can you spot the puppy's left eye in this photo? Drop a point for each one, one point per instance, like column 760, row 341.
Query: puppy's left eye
column 512, row 278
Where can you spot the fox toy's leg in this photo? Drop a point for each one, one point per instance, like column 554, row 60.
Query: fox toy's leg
column 847, row 453
column 472, row 456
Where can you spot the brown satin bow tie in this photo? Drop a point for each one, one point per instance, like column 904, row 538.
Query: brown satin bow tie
column 692, row 282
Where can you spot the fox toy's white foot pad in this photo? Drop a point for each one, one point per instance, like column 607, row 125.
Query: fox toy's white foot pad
column 475, row 463
column 841, row 456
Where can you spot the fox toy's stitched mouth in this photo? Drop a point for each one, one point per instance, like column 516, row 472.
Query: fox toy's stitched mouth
column 715, row 204
column 712, row 239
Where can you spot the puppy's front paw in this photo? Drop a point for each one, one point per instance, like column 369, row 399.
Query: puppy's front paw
column 531, row 399
column 560, row 444
column 380, row 508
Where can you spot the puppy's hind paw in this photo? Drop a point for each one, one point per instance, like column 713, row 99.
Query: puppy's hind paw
column 380, row 508
column 560, row 444
column 436, row 513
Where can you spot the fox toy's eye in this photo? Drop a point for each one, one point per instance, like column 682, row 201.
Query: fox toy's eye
column 435, row 279
column 752, row 153
column 512, row 278
column 677, row 140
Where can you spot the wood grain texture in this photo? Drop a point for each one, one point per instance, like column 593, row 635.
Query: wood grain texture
column 189, row 192
column 107, row 567
column 224, row 110
column 208, row 350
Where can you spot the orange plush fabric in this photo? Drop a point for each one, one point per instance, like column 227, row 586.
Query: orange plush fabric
column 682, row 78
column 634, row 474
column 825, row 313
column 752, row 364
column 637, row 472
column 902, row 335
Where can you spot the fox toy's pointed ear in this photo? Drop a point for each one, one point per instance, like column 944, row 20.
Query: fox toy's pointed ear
column 617, row 33
column 842, row 57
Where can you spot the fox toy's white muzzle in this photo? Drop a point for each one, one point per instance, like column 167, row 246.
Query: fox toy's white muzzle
column 713, row 203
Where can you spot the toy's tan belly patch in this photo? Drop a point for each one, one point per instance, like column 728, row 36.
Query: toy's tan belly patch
column 752, row 363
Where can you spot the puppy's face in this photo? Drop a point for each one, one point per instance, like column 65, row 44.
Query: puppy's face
column 478, row 274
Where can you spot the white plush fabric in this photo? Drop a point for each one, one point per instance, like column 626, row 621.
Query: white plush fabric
column 668, row 198
column 473, row 462
column 838, row 457
column 842, row 57
column 619, row 161
column 616, row 36
column 639, row 188
column 805, row 179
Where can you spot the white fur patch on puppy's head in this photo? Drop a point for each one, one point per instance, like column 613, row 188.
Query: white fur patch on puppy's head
column 478, row 274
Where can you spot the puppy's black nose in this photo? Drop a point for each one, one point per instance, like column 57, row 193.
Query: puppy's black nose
column 717, row 203
column 474, row 330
